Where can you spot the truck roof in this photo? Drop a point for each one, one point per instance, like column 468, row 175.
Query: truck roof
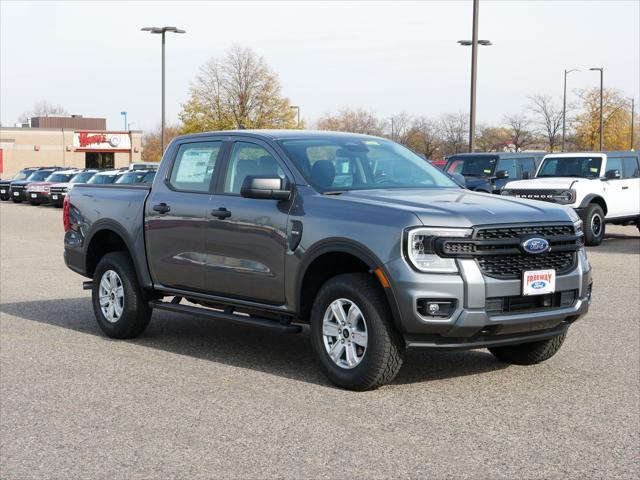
column 277, row 134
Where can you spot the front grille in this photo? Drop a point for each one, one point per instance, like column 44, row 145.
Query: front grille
column 17, row 188
column 58, row 189
column 543, row 195
column 506, row 305
column 498, row 252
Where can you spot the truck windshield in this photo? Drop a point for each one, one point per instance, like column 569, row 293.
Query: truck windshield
column 59, row 177
column 100, row 179
column 338, row 163
column 22, row 174
column 131, row 177
column 39, row 175
column 82, row 177
column 476, row 166
column 585, row 167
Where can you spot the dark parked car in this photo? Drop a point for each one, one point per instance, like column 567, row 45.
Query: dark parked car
column 5, row 185
column 18, row 188
column 58, row 191
column 489, row 172
column 107, row 176
column 374, row 247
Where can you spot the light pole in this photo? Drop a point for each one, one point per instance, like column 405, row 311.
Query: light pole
column 564, row 106
column 297, row 108
column 632, row 120
column 601, row 70
column 125, row 119
column 162, row 30
column 474, row 42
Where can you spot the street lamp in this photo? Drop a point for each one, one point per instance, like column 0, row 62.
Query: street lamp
column 601, row 70
column 297, row 108
column 474, row 42
column 564, row 105
column 162, row 30
column 632, row 120
column 125, row 119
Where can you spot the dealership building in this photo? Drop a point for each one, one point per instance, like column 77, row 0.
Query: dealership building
column 73, row 142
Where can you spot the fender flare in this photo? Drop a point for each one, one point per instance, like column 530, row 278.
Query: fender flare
column 358, row 250
column 590, row 198
column 109, row 225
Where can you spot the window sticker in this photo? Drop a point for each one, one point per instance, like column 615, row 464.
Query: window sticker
column 593, row 169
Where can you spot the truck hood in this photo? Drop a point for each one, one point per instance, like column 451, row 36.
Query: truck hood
column 452, row 207
column 556, row 183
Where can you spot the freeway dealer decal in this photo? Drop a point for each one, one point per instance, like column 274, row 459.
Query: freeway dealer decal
column 539, row 282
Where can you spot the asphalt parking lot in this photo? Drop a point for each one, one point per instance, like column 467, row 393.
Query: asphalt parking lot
column 193, row 398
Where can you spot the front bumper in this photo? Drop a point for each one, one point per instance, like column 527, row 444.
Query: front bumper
column 5, row 192
column 37, row 197
column 18, row 195
column 472, row 324
column 57, row 198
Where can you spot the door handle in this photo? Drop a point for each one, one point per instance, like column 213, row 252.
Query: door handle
column 162, row 208
column 221, row 213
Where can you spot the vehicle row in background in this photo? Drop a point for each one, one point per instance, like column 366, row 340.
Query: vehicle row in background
column 39, row 185
column 601, row 187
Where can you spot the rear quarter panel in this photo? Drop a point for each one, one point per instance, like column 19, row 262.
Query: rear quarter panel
column 95, row 208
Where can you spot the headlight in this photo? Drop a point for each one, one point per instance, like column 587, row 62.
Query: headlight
column 419, row 249
column 565, row 197
column 577, row 225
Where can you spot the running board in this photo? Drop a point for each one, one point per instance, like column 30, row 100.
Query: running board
column 230, row 317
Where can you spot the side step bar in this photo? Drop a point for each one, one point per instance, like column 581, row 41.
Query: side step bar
column 230, row 317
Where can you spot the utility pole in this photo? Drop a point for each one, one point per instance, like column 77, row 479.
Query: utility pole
column 601, row 70
column 632, row 120
column 564, row 106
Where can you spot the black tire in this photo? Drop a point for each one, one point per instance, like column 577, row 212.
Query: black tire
column 385, row 348
column 529, row 353
column 34, row 204
column 16, row 201
column 593, row 224
column 136, row 312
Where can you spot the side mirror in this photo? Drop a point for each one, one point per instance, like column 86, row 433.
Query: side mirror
column 265, row 187
column 502, row 174
column 612, row 174
column 526, row 175
column 459, row 179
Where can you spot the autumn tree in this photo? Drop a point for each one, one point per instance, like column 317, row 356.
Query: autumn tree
column 151, row 145
column 237, row 91
column 520, row 129
column 493, row 139
column 454, row 129
column 400, row 125
column 43, row 109
column 423, row 137
column 355, row 121
column 616, row 121
column 548, row 118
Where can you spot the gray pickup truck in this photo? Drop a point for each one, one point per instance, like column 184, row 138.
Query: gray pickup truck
column 355, row 235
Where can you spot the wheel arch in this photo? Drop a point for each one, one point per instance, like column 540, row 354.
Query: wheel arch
column 342, row 256
column 594, row 198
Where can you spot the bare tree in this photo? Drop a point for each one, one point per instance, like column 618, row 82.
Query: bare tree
column 424, row 137
column 400, row 125
column 238, row 91
column 454, row 128
column 520, row 129
column 549, row 116
column 43, row 109
column 355, row 121
column 151, row 145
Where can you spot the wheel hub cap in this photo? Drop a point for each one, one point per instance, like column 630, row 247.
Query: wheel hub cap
column 111, row 296
column 344, row 333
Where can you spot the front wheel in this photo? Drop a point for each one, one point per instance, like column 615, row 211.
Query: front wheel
column 593, row 224
column 16, row 201
column 529, row 353
column 352, row 333
column 118, row 302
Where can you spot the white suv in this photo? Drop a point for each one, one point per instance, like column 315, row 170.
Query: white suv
column 602, row 187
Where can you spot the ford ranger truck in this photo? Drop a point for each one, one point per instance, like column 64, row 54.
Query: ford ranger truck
column 356, row 236
column 601, row 187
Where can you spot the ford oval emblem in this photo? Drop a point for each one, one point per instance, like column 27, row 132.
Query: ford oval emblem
column 535, row 245
column 539, row 284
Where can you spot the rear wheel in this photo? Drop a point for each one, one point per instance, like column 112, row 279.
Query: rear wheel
column 594, row 226
column 118, row 301
column 352, row 333
column 529, row 353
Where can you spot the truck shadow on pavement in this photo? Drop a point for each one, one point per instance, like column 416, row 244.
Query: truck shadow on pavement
column 285, row 355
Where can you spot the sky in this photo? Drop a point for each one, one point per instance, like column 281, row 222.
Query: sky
column 385, row 57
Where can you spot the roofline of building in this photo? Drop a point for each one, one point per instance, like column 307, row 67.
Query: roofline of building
column 18, row 129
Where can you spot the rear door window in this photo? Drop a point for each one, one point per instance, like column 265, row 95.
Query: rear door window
column 194, row 166
column 630, row 168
